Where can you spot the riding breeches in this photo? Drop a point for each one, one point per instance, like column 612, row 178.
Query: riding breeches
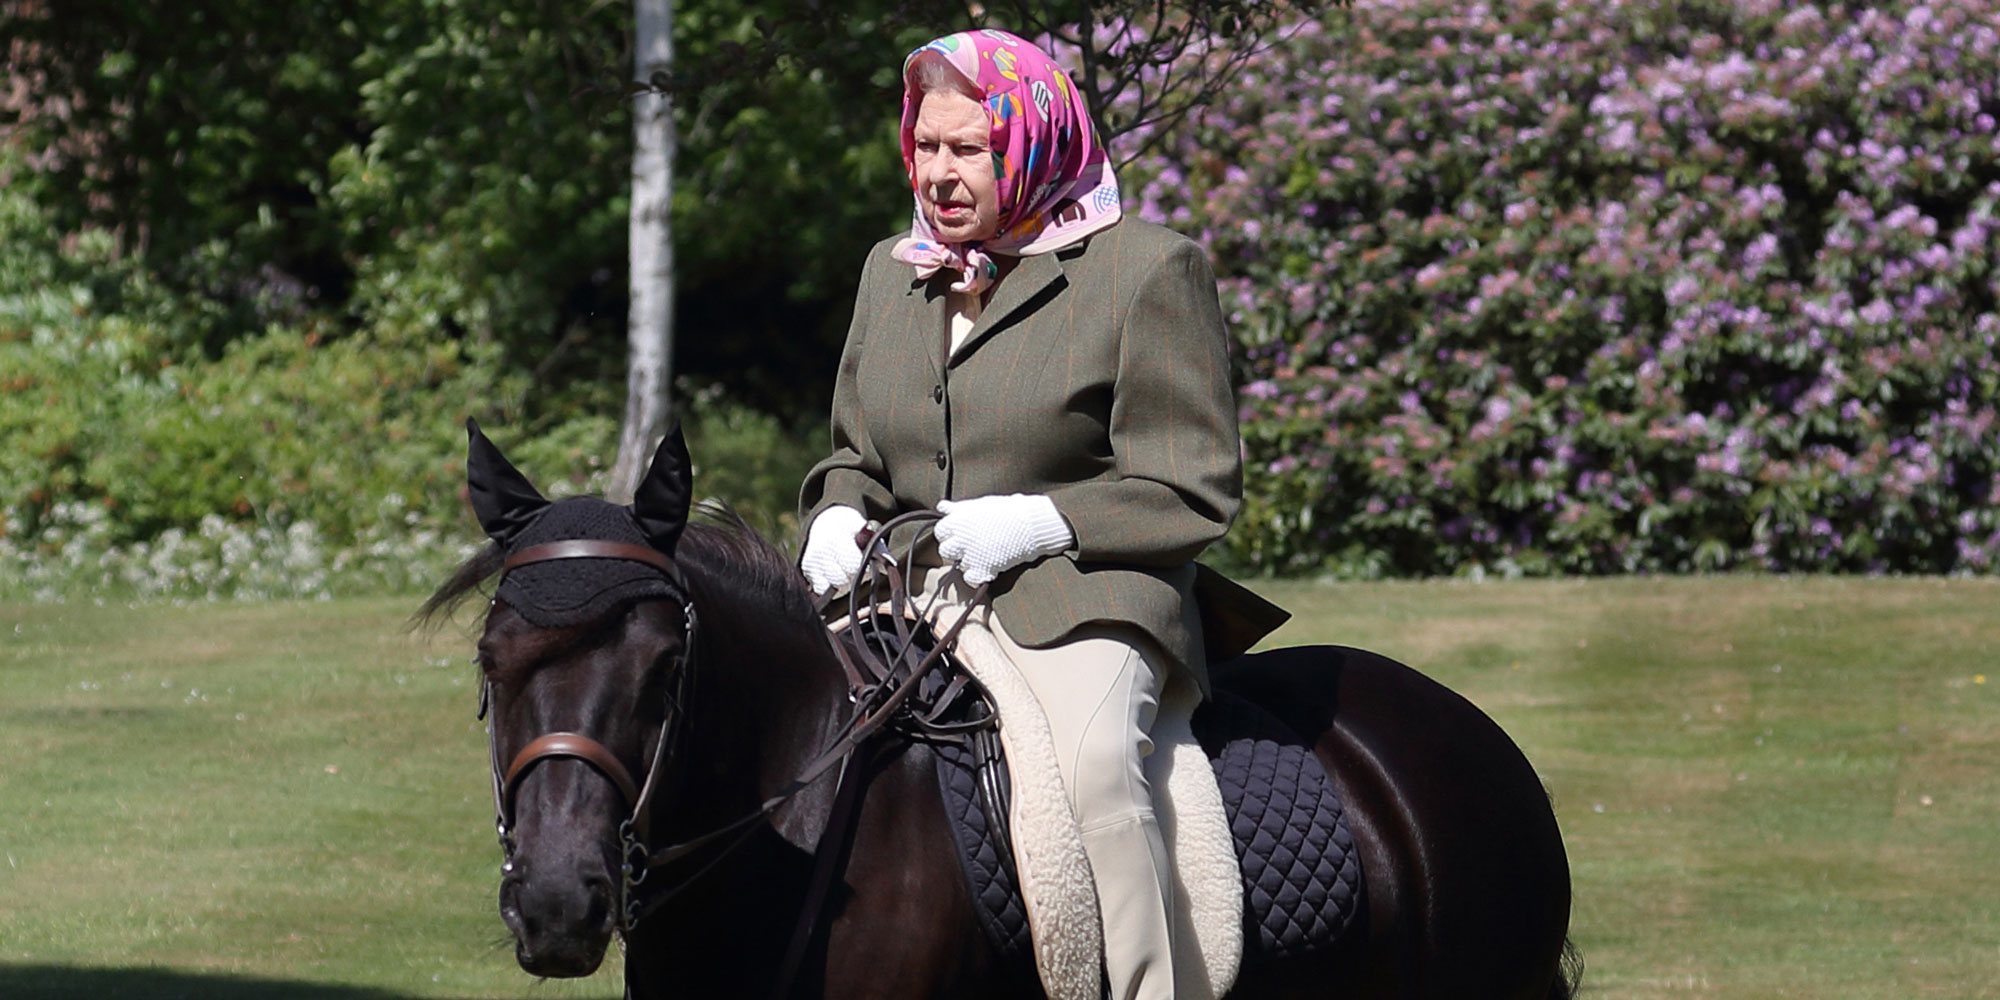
column 1100, row 689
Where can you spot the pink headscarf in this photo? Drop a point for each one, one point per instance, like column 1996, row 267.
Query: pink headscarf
column 1056, row 183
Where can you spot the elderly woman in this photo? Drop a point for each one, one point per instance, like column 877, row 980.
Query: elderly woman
column 1054, row 378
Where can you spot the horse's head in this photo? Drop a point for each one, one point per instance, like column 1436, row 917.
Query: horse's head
column 581, row 650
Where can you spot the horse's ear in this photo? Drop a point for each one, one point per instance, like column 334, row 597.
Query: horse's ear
column 502, row 498
column 660, row 504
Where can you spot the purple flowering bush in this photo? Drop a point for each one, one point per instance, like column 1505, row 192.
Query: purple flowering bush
column 1609, row 287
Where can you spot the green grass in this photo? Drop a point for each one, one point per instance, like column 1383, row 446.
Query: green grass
column 293, row 791
column 1769, row 788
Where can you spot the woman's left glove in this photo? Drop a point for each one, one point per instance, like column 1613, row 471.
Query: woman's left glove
column 832, row 557
column 988, row 536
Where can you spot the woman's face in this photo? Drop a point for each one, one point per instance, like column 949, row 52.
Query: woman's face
column 954, row 168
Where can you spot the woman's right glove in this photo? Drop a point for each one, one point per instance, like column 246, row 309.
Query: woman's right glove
column 832, row 556
column 989, row 535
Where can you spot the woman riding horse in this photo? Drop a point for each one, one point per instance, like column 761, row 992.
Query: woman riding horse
column 1054, row 378
column 671, row 730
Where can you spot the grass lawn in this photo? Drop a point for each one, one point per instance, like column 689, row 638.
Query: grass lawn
column 1769, row 788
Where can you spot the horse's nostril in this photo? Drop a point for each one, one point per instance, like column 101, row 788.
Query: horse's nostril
column 597, row 890
column 510, row 895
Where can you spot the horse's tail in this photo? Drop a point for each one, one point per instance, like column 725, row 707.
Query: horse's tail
column 1569, row 974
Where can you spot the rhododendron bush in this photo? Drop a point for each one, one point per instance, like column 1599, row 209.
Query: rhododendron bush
column 1609, row 286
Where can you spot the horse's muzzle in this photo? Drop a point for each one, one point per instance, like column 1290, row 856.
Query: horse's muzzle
column 562, row 926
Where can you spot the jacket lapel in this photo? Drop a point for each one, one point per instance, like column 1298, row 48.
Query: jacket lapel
column 1030, row 280
column 925, row 306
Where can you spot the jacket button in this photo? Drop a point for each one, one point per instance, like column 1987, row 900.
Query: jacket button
column 940, row 460
column 937, row 394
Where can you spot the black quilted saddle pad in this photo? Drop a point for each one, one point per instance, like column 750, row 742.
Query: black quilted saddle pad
column 1302, row 885
column 1301, row 873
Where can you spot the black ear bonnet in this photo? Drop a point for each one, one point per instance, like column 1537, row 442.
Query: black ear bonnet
column 563, row 592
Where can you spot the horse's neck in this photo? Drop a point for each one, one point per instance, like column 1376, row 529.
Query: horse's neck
column 767, row 697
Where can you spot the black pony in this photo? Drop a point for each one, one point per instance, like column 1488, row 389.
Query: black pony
column 650, row 683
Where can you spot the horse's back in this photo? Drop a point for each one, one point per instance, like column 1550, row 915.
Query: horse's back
column 1467, row 884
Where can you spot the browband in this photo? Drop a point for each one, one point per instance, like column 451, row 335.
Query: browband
column 586, row 548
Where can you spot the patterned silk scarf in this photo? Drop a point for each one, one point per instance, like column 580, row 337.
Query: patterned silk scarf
column 1056, row 182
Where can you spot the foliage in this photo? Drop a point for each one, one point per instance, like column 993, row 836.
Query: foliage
column 749, row 459
column 255, row 270
column 291, row 465
column 458, row 168
column 483, row 199
column 1561, row 287
column 264, row 471
column 199, row 134
column 1543, row 288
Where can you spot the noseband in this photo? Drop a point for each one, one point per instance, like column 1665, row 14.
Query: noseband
column 633, row 851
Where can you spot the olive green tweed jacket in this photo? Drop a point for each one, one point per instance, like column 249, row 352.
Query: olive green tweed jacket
column 1098, row 375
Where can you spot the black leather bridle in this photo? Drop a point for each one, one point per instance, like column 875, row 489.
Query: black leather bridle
column 880, row 683
column 635, row 861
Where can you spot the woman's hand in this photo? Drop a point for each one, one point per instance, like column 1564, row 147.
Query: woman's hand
column 832, row 556
column 990, row 535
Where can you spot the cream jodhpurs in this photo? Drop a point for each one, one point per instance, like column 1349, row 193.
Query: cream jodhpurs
column 1100, row 690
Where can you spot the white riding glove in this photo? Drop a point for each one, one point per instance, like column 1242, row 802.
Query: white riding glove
column 988, row 536
column 832, row 557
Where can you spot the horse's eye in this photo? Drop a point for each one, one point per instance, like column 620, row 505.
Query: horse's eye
column 670, row 651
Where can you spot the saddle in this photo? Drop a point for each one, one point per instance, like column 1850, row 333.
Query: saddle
column 1300, row 873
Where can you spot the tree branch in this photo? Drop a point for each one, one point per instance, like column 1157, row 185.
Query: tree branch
column 1212, row 82
column 1098, row 101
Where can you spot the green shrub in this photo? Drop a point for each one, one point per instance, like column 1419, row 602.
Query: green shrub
column 751, row 461
column 290, row 465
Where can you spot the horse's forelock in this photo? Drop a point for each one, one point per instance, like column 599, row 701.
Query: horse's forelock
column 464, row 580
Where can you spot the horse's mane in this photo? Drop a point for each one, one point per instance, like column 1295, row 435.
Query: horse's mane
column 721, row 553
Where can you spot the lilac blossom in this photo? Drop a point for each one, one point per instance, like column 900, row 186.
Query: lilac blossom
column 1745, row 291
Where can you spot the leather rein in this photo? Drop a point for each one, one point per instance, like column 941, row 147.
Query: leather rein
column 875, row 689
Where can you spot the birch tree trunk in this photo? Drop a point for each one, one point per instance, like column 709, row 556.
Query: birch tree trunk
column 649, row 326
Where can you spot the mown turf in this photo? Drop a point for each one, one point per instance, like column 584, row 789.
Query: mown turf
column 1769, row 788
column 294, row 791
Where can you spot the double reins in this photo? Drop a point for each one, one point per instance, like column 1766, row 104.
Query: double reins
column 873, row 687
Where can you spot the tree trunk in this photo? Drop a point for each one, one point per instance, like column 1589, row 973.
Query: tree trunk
column 649, row 327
